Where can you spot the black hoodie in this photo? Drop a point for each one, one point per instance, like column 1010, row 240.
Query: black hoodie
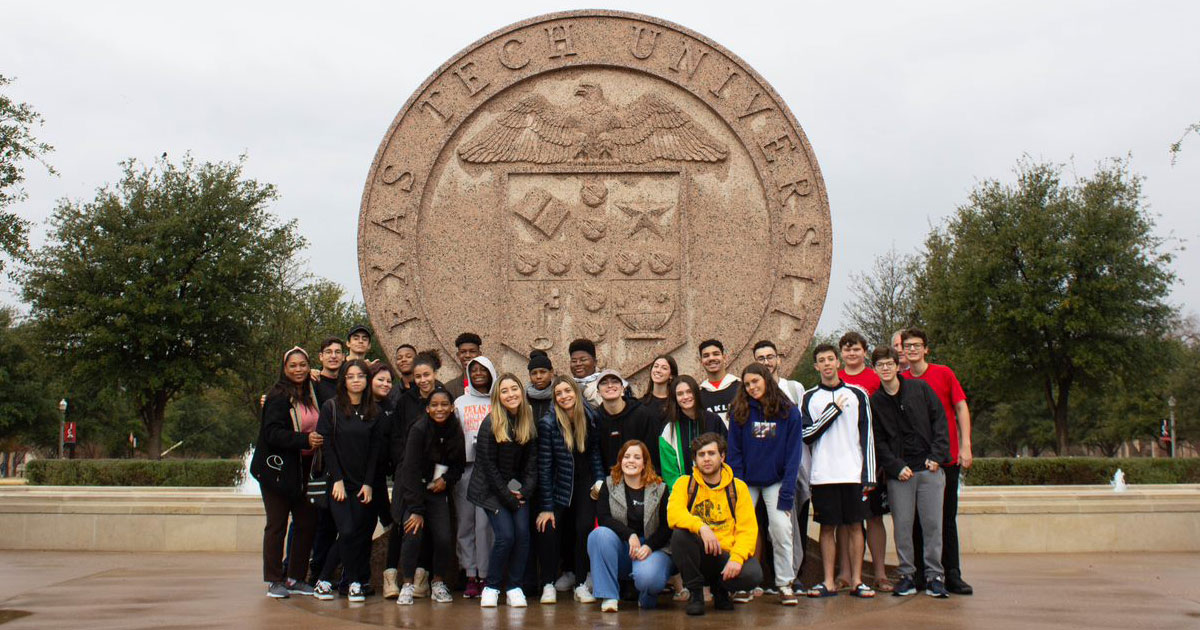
column 635, row 422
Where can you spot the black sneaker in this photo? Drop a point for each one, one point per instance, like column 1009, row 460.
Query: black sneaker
column 695, row 606
column 721, row 599
column 277, row 590
column 956, row 585
column 904, row 587
column 295, row 587
column 936, row 588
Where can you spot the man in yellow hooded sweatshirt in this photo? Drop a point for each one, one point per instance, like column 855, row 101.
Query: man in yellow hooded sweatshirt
column 715, row 530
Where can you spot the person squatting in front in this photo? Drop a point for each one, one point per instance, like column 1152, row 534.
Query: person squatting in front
column 714, row 528
column 633, row 534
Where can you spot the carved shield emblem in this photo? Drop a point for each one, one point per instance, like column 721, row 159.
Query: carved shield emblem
column 636, row 302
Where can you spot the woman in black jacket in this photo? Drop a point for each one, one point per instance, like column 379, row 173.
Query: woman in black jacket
column 503, row 483
column 565, row 477
column 433, row 462
column 350, row 425
column 282, row 459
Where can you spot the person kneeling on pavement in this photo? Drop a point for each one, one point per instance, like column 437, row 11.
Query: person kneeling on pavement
column 715, row 529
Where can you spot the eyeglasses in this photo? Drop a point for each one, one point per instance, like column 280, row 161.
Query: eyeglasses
column 885, row 365
column 766, row 357
column 914, row 346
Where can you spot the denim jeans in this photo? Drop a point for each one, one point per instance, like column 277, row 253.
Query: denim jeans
column 611, row 563
column 511, row 549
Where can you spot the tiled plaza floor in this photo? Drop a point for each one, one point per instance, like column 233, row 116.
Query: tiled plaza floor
column 208, row 590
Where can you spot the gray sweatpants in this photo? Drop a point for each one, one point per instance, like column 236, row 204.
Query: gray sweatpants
column 923, row 494
column 475, row 532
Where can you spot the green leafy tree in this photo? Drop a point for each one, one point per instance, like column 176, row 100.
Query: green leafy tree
column 154, row 286
column 1044, row 285
column 17, row 144
column 27, row 402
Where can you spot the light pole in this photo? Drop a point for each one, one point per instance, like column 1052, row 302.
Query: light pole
column 1171, row 406
column 62, row 425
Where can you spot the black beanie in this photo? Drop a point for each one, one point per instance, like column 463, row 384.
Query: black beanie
column 539, row 359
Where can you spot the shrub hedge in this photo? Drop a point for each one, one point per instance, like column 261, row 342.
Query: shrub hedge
column 1070, row 471
column 134, row 472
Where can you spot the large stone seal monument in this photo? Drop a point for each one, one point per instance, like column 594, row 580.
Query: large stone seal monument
column 595, row 174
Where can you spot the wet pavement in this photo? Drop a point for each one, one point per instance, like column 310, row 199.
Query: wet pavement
column 61, row 590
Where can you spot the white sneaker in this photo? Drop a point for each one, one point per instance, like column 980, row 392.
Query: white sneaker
column 583, row 594
column 355, row 593
column 549, row 594
column 565, row 582
column 421, row 583
column 490, row 598
column 515, row 598
column 324, row 591
column 406, row 596
column 608, row 605
column 441, row 594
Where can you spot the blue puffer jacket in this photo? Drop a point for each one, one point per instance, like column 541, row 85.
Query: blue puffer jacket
column 556, row 463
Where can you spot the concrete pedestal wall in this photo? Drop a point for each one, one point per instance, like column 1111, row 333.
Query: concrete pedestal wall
column 1036, row 519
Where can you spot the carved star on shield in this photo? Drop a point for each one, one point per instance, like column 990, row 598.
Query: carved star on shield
column 645, row 215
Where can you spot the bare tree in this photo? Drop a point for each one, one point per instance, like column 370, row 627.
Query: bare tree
column 883, row 297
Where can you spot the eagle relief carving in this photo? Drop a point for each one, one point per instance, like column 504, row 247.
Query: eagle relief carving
column 593, row 131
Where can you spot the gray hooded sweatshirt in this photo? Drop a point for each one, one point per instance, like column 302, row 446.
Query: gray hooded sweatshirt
column 474, row 406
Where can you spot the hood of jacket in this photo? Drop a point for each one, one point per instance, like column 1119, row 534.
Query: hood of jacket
column 487, row 363
column 726, row 478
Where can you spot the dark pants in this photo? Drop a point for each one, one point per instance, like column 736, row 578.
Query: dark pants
column 548, row 546
column 950, row 559
column 303, row 517
column 698, row 569
column 323, row 541
column 436, row 536
column 355, row 524
column 511, row 548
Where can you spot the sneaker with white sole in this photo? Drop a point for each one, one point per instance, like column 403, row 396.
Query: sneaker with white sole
column 549, row 594
column 277, row 590
column 324, row 591
column 421, row 583
column 489, row 598
column 405, row 598
column 296, row 587
column 565, row 582
column 515, row 598
column 441, row 594
column 355, row 593
column 609, row 605
column 583, row 594
column 743, row 597
column 787, row 596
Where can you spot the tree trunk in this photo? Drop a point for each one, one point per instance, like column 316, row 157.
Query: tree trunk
column 1061, row 409
column 153, row 412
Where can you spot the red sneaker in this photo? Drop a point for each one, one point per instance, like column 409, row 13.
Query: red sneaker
column 474, row 588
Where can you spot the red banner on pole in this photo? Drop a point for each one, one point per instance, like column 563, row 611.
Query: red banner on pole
column 69, row 433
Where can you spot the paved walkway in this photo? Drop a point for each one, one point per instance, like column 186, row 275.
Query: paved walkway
column 220, row 590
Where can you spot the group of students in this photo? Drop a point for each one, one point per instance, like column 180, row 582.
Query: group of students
column 570, row 483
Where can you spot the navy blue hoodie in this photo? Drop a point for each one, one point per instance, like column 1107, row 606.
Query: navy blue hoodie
column 764, row 452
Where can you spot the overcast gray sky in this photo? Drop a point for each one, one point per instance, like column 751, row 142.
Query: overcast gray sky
column 907, row 104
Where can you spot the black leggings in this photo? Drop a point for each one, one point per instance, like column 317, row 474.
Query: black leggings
column 355, row 524
column 434, row 543
column 580, row 520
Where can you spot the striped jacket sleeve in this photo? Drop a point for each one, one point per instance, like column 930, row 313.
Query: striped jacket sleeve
column 814, row 427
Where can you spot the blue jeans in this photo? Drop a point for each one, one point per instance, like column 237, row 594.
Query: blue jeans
column 511, row 548
column 611, row 562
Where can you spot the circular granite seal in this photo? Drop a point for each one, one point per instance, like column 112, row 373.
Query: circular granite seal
column 595, row 174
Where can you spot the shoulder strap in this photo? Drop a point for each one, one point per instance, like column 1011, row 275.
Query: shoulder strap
column 691, row 493
column 730, row 495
